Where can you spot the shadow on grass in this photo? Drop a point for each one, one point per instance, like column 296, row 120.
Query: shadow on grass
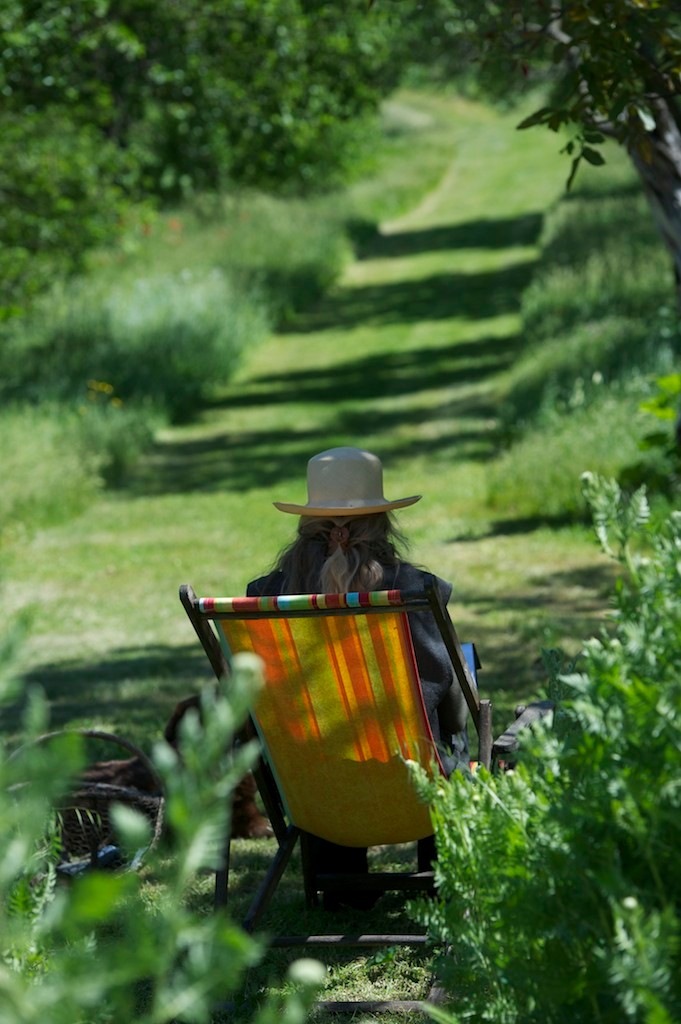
column 473, row 296
column 239, row 462
column 383, row 375
column 520, row 527
column 246, row 459
column 598, row 188
column 358, row 388
column 131, row 686
column 486, row 233
column 560, row 609
column 407, row 971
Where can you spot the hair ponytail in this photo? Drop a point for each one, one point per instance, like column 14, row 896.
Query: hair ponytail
column 315, row 563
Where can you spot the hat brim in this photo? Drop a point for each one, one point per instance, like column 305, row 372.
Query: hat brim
column 354, row 509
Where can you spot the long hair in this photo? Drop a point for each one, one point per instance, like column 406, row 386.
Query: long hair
column 315, row 563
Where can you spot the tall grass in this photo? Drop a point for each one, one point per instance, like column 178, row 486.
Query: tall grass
column 56, row 457
column 598, row 328
column 539, row 476
column 165, row 338
column 288, row 250
column 46, row 476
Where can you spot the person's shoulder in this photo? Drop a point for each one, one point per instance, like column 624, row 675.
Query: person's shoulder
column 266, row 586
column 411, row 577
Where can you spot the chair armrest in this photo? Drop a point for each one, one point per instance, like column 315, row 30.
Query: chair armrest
column 508, row 741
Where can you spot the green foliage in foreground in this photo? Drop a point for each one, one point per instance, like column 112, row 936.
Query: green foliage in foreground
column 659, row 465
column 558, row 882
column 93, row 950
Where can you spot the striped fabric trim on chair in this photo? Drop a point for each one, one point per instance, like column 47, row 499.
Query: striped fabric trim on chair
column 340, row 713
column 299, row 602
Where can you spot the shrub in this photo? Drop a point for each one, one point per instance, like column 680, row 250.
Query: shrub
column 659, row 466
column 170, row 339
column 112, row 435
column 57, row 456
column 558, row 882
column 291, row 249
column 57, row 199
column 95, row 950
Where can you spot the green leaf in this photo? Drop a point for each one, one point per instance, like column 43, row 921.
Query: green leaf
column 540, row 116
column 97, row 897
column 671, row 383
column 658, row 439
column 595, row 137
column 592, row 156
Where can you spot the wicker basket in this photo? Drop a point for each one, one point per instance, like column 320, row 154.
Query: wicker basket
column 83, row 816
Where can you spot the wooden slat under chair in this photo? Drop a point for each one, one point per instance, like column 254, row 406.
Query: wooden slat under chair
column 338, row 718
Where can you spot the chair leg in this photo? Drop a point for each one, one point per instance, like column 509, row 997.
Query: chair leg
column 271, row 880
column 307, row 859
column 485, row 751
column 426, row 853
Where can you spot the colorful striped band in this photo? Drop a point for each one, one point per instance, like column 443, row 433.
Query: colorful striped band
column 300, row 602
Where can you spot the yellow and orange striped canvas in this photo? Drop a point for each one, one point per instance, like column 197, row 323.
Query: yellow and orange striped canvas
column 340, row 713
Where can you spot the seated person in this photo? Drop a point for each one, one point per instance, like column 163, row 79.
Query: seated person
column 347, row 540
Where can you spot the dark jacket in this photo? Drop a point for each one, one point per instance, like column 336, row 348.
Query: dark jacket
column 444, row 701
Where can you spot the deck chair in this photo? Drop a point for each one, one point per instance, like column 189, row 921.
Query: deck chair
column 340, row 715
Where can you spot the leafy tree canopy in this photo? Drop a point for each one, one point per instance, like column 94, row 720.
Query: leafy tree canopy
column 201, row 92
column 610, row 62
column 105, row 101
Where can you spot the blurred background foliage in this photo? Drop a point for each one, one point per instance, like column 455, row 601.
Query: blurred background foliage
column 106, row 103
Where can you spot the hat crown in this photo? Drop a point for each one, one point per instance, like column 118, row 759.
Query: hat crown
column 345, row 482
column 344, row 476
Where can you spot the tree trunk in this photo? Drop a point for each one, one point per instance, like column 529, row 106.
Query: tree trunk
column 659, row 168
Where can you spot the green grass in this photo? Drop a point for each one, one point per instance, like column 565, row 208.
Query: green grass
column 599, row 305
column 411, row 354
column 65, row 483
column 540, row 476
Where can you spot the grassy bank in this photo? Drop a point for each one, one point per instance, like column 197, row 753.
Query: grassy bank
column 599, row 327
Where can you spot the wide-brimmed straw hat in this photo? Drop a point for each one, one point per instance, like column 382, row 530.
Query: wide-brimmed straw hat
column 345, row 482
